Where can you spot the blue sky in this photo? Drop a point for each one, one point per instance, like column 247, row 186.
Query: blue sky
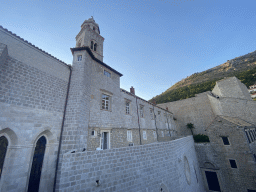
column 154, row 44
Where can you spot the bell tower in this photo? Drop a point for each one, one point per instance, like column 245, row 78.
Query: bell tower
column 89, row 36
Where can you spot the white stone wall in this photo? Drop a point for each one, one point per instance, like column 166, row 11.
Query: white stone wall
column 140, row 168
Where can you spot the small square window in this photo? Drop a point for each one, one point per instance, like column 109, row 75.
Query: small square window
column 93, row 133
column 79, row 57
column 225, row 140
column 106, row 73
column 232, row 163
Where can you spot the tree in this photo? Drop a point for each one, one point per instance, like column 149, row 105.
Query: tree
column 191, row 127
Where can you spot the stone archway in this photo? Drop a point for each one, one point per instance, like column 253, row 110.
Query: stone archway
column 8, row 139
column 42, row 162
column 3, row 149
column 37, row 163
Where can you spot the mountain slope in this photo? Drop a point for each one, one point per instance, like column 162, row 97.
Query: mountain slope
column 243, row 67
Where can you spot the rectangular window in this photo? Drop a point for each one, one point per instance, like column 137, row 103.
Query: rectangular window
column 106, row 73
column 105, row 102
column 151, row 113
column 154, row 134
column 79, row 57
column 127, row 107
column 232, row 163
column 105, row 144
column 159, row 112
column 141, row 111
column 212, row 180
column 144, row 135
column 250, row 190
column 129, row 135
column 225, row 140
column 93, row 133
column 248, row 137
column 162, row 133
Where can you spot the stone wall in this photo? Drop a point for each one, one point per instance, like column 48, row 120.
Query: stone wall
column 215, row 156
column 196, row 110
column 171, row 166
column 231, row 87
column 3, row 53
column 33, row 87
column 241, row 108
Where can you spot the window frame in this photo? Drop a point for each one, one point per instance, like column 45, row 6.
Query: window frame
column 141, row 111
column 234, row 163
column 79, row 57
column 105, row 101
column 154, row 135
column 127, row 107
column 107, row 73
column 222, row 137
column 129, row 136
column 94, row 133
column 151, row 113
column 144, row 135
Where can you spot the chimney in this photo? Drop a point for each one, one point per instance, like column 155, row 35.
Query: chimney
column 132, row 90
column 167, row 108
column 154, row 102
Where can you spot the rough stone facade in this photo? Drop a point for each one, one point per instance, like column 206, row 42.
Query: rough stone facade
column 196, row 110
column 33, row 87
column 227, row 113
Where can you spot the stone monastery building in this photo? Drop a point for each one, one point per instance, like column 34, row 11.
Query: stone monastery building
column 72, row 128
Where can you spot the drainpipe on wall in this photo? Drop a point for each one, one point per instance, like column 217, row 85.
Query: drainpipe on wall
column 155, row 124
column 168, row 122
column 168, row 125
column 61, row 131
column 138, row 118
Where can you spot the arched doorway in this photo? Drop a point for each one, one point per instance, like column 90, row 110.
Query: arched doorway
column 3, row 150
column 37, row 163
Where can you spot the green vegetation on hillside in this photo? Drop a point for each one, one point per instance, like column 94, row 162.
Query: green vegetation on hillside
column 247, row 77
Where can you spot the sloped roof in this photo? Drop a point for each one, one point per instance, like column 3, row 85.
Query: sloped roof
column 94, row 58
column 128, row 93
column 11, row 33
column 237, row 121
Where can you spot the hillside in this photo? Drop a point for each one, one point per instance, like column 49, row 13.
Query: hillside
column 243, row 67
